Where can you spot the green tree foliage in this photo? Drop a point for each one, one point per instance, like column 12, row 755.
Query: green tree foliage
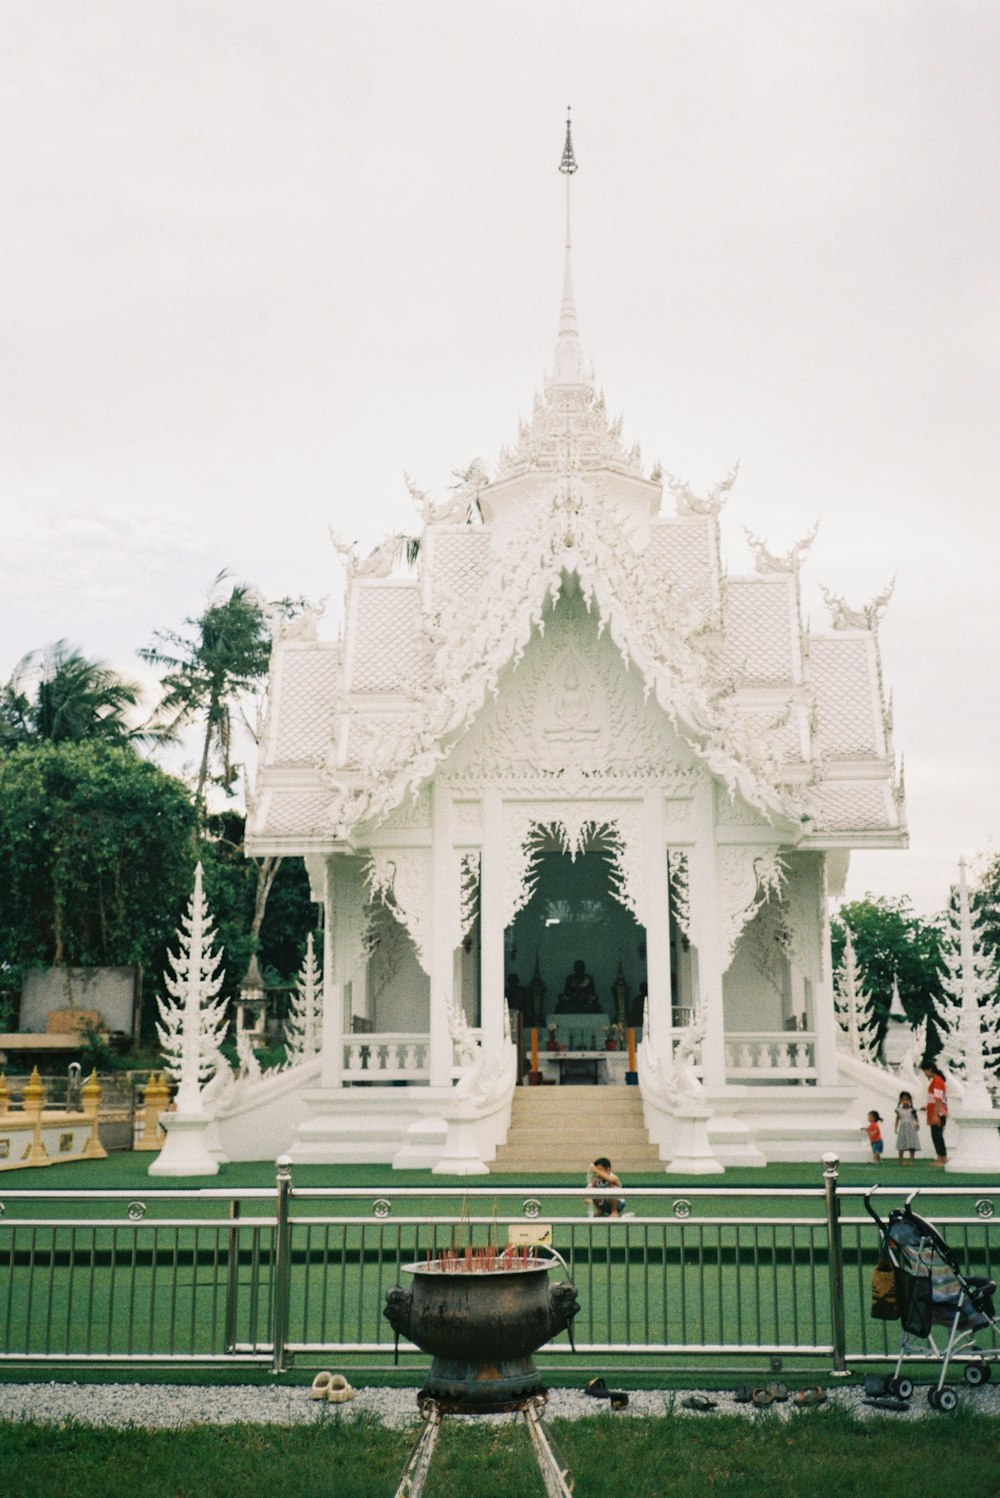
column 95, row 847
column 986, row 906
column 223, row 654
column 58, row 696
column 891, row 941
column 231, row 888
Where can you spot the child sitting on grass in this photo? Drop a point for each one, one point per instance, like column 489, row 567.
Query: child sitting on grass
column 601, row 1174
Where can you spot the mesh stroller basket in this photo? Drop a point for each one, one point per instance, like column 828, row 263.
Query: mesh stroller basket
column 929, row 1289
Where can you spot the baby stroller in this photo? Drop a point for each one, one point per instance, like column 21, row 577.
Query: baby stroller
column 931, row 1290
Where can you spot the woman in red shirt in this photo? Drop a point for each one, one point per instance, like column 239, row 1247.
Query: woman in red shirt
column 937, row 1111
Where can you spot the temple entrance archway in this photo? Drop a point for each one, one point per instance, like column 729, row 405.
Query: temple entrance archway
column 573, row 915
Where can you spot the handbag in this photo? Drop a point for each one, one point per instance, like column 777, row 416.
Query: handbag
column 885, row 1306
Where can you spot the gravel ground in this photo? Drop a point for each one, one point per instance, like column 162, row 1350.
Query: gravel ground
column 176, row 1405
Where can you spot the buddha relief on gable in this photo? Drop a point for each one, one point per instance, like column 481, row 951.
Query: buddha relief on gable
column 570, row 715
column 571, row 719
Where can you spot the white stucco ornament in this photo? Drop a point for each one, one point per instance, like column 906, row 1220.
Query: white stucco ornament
column 191, row 1028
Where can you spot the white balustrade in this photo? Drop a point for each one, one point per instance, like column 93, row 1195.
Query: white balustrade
column 772, row 1054
column 388, row 1057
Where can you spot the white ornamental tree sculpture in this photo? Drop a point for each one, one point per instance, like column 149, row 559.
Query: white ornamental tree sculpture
column 857, row 1022
column 193, row 1019
column 971, row 1012
column 304, row 1025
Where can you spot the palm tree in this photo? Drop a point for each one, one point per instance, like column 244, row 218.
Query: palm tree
column 57, row 695
column 223, row 654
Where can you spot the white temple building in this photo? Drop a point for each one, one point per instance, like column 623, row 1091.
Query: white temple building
column 565, row 736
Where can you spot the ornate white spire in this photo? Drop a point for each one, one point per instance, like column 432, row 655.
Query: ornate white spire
column 569, row 367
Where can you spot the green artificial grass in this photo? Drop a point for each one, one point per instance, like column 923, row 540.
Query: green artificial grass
column 723, row 1456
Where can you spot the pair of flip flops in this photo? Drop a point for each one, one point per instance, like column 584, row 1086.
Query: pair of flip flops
column 699, row 1402
column 762, row 1397
column 333, row 1387
column 598, row 1389
column 812, row 1394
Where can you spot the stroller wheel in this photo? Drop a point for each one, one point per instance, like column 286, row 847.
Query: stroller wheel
column 932, row 1396
column 947, row 1399
column 977, row 1373
column 903, row 1388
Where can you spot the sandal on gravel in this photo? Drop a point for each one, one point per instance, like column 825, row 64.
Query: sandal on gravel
column 743, row 1394
column 340, row 1390
column 889, row 1402
column 810, row 1395
column 699, row 1402
column 321, row 1385
column 618, row 1398
column 778, row 1391
column 762, row 1398
column 597, row 1388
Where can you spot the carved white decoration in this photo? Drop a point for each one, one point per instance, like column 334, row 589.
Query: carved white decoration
column 572, row 827
column 689, row 503
column 766, row 561
column 687, row 1053
column 464, row 1040
column 468, row 816
column 680, row 890
column 747, row 877
column 248, row 1066
column 304, row 1025
column 867, row 617
column 192, row 1023
column 469, row 884
column 971, row 1011
column 573, row 534
column 414, row 813
column 401, row 877
column 858, row 1022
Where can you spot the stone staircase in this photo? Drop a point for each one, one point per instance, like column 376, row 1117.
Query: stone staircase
column 564, row 1128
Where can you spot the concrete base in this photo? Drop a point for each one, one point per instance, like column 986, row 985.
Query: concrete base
column 691, row 1152
column 190, row 1148
column 426, row 1143
column 975, row 1143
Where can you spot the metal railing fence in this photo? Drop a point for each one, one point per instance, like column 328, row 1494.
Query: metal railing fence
column 268, row 1276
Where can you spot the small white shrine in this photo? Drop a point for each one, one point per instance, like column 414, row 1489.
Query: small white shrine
column 565, row 760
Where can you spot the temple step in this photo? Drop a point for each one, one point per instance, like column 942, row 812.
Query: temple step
column 565, row 1128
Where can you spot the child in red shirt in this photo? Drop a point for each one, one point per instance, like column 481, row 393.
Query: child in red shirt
column 874, row 1133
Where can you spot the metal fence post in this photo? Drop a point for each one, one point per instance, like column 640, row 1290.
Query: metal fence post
column 232, row 1275
column 282, row 1265
column 835, row 1264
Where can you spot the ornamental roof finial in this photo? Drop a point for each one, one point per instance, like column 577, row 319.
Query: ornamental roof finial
column 568, row 163
column 569, row 366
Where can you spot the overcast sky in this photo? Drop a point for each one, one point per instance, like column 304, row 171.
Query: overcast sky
column 259, row 257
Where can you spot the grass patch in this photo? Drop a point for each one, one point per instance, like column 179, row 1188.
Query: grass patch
column 724, row 1456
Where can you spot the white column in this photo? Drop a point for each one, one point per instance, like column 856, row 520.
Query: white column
column 823, row 1017
column 708, row 935
column 444, row 924
column 656, row 915
column 333, row 983
column 492, row 915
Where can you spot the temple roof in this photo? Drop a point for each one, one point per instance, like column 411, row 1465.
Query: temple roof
column 793, row 725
